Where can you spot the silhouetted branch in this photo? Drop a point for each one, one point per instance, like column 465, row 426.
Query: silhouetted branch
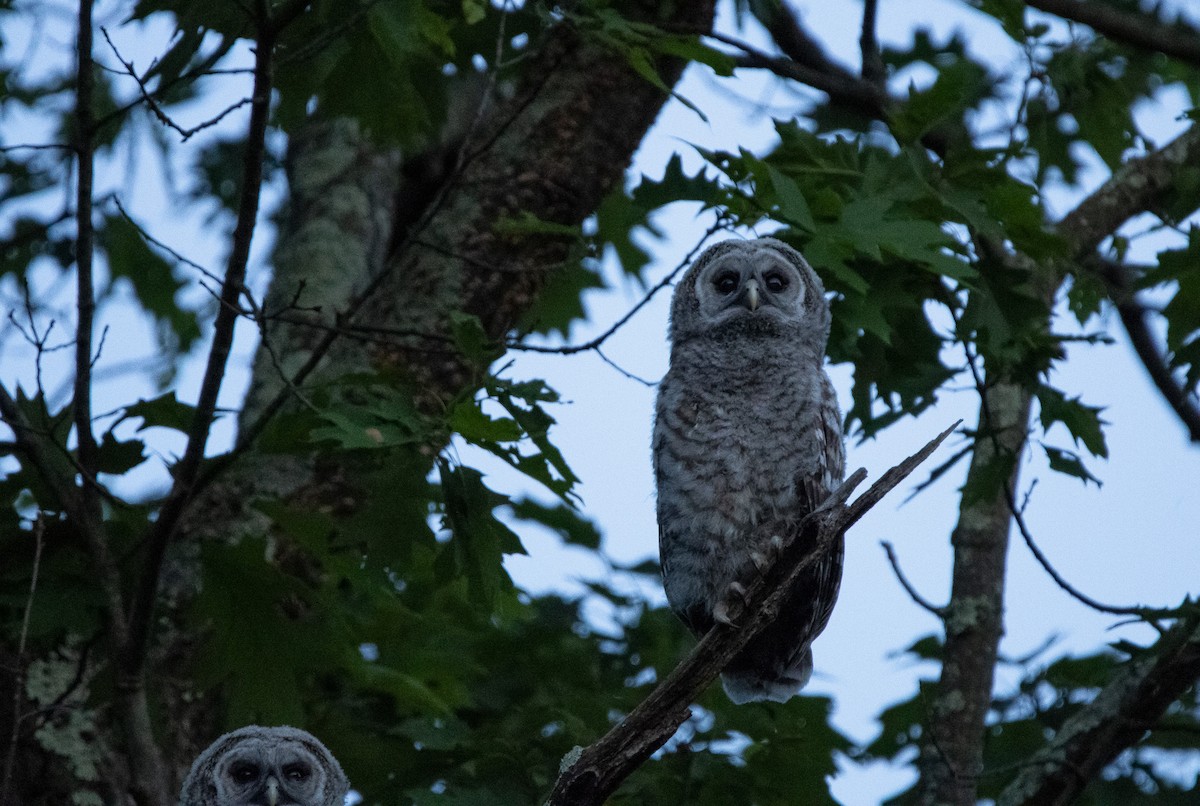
column 872, row 61
column 590, row 775
column 187, row 468
column 85, row 302
column 912, row 592
column 1076, row 594
column 1119, row 279
column 1139, row 30
column 163, row 117
column 843, row 87
column 571, row 349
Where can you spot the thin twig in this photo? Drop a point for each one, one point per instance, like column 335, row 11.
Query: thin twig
column 37, row 147
column 912, row 592
column 163, row 117
column 571, row 349
column 188, row 467
column 1016, row 511
column 84, row 240
column 625, row 372
column 148, row 238
column 204, row 68
column 1136, row 610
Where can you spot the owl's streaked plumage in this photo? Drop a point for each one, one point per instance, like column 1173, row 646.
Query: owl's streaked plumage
column 265, row 767
column 747, row 440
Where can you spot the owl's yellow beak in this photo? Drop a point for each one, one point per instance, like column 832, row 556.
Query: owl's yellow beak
column 750, row 295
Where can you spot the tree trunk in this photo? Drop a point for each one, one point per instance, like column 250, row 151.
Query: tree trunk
column 952, row 754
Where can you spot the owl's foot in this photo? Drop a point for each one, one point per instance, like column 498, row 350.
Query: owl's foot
column 732, row 603
column 765, row 557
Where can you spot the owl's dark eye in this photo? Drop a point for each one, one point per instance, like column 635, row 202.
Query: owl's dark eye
column 726, row 282
column 296, row 772
column 243, row 772
column 776, row 281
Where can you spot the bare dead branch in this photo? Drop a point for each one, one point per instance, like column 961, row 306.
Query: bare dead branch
column 1140, row 30
column 593, row 774
column 1119, row 717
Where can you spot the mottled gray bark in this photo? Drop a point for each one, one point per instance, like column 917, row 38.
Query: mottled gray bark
column 952, row 755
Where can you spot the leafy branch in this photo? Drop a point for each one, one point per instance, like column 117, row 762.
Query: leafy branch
column 1129, row 706
column 590, row 775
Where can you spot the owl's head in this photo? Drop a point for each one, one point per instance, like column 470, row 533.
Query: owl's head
column 279, row 766
column 753, row 287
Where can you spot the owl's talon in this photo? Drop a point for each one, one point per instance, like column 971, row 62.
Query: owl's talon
column 721, row 614
column 762, row 562
column 768, row 555
column 735, row 600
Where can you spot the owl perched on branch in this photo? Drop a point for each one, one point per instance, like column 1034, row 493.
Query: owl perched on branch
column 747, row 440
column 255, row 766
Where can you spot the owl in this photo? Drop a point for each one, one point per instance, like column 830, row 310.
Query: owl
column 255, row 765
column 747, row 441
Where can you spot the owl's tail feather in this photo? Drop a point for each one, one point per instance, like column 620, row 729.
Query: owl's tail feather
column 744, row 685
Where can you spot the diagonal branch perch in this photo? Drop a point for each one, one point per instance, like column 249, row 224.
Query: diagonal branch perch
column 594, row 773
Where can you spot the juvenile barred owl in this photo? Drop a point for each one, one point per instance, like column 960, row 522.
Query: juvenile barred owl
column 747, row 440
column 255, row 765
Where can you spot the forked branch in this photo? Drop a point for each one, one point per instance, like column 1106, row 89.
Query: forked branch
column 593, row 773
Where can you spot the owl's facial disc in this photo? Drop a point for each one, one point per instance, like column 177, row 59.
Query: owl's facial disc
column 763, row 285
